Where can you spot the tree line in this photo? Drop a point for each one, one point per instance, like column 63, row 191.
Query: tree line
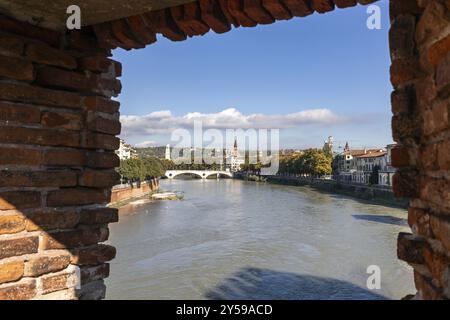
column 311, row 162
column 137, row 170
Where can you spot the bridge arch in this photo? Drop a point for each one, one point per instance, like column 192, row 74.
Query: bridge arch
column 203, row 174
column 59, row 132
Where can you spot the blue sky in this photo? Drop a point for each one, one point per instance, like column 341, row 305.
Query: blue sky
column 329, row 65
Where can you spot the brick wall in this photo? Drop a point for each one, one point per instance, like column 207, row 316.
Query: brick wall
column 420, row 73
column 129, row 192
column 57, row 140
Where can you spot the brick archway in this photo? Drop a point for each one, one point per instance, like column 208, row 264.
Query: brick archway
column 59, row 127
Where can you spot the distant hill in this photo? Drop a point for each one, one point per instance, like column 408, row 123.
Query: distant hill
column 158, row 152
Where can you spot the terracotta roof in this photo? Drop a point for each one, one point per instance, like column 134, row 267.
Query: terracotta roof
column 374, row 154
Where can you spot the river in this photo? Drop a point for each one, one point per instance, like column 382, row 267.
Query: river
column 231, row 239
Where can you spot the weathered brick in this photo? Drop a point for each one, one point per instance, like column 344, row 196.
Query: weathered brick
column 426, row 91
column 439, row 228
column 59, row 78
column 298, row 8
column 18, row 246
column 46, row 263
column 403, row 7
column 11, row 271
column 16, row 112
column 28, row 30
column 426, row 289
column 37, row 95
column 401, row 37
column 41, row 53
column 428, row 157
column 93, row 255
column 64, row 157
column 404, row 71
column 443, row 77
column 141, row 30
column 98, row 63
column 443, row 155
column 101, row 141
column 435, row 191
column 94, row 290
column 101, row 104
column 23, row 290
column 121, row 32
column 60, row 281
column 410, row 248
column 437, row 118
column 104, row 160
column 431, row 23
column 405, row 127
column 99, row 179
column 16, row 69
column 213, row 16
column 345, row 3
column 52, row 219
column 11, row 224
column 439, row 50
column 239, row 16
column 187, row 17
column 74, row 238
column 403, row 100
column 11, row 45
column 19, row 156
column 419, row 221
column 406, row 183
column 277, row 10
column 39, row 136
column 99, row 216
column 10, row 178
column 400, row 157
column 76, row 197
column 322, row 6
column 10, row 200
column 103, row 125
column 89, row 274
column 438, row 266
column 59, row 120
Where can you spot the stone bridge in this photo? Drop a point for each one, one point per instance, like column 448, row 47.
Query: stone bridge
column 200, row 173
column 58, row 128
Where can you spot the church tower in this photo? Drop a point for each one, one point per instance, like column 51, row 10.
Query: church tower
column 168, row 152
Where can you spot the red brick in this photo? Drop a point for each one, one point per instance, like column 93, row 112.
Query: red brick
column 438, row 118
column 162, row 22
column 403, row 101
column 74, row 238
column 64, row 157
column 11, row 224
column 104, row 160
column 123, row 34
column 235, row 8
column 97, row 63
column 345, row 3
column 46, row 263
column 52, row 219
column 16, row 112
column 187, row 17
column 405, row 127
column 403, row 7
column 443, row 155
column 10, row 200
column 89, row 274
column 37, row 95
column 141, row 31
column 105, row 36
column 426, row 289
column 255, row 10
column 439, row 228
column 224, row 8
column 428, row 157
column 12, row 178
column 98, row 123
column 59, row 120
column 298, row 8
column 431, row 23
column 16, row 69
column 410, row 248
column 59, row 78
column 419, row 221
column 439, row 50
column 443, row 76
column 41, row 53
column 105, row 86
column 18, row 246
column 404, row 71
column 101, row 104
column 406, row 183
column 99, row 216
column 99, row 179
column 435, row 191
column 426, row 91
column 438, row 265
column 401, row 37
column 11, row 45
column 28, row 30
column 93, row 255
column 101, row 141
column 19, row 156
column 322, row 6
column 276, row 9
column 11, row 271
column 77, row 197
column 400, row 157
column 39, row 136
column 23, row 290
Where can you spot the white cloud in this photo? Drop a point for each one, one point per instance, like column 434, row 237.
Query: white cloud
column 145, row 144
column 163, row 122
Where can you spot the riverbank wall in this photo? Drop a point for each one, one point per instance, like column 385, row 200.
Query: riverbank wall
column 373, row 193
column 123, row 193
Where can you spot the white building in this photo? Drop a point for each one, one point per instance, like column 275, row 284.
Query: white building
column 125, row 151
column 386, row 172
column 235, row 160
column 167, row 152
